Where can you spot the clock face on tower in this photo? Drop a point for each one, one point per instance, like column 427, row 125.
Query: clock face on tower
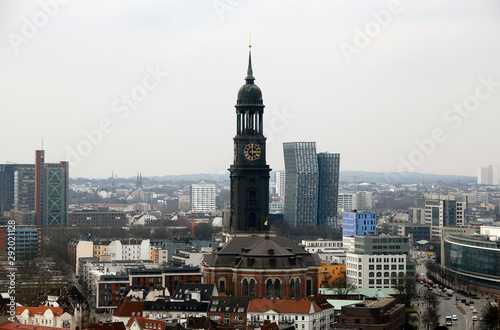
column 252, row 151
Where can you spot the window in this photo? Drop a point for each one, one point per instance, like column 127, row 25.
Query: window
column 386, row 267
column 245, row 287
column 252, row 288
column 308, row 287
column 371, row 267
column 379, row 267
column 222, row 286
column 292, row 288
column 277, row 287
column 269, row 288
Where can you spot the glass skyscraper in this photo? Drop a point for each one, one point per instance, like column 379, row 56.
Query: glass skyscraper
column 311, row 189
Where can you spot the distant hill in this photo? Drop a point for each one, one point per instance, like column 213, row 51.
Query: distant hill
column 345, row 177
column 403, row 177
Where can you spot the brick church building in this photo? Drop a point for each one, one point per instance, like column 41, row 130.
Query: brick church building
column 255, row 262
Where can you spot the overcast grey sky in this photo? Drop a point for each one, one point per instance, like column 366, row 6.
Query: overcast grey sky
column 151, row 86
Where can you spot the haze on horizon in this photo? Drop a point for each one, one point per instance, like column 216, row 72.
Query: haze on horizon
column 150, row 87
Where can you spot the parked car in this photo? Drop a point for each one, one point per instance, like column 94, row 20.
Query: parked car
column 454, row 317
column 474, row 318
column 464, row 301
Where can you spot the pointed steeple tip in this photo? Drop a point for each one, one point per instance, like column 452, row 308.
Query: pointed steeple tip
column 249, row 78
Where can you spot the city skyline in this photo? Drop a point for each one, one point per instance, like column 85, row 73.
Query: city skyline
column 132, row 87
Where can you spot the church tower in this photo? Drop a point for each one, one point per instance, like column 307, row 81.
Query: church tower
column 249, row 173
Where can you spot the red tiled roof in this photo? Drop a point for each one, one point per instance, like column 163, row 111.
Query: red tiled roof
column 147, row 323
column 128, row 307
column 270, row 326
column 40, row 310
column 302, row 306
column 106, row 326
column 19, row 326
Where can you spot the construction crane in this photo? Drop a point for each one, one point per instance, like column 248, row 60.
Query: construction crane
column 192, row 225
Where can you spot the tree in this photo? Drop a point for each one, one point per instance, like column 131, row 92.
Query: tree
column 431, row 315
column 406, row 287
column 489, row 317
column 342, row 288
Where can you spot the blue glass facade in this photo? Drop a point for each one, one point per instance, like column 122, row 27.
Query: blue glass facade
column 358, row 224
column 474, row 256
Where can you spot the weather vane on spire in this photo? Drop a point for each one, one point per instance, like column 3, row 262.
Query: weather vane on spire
column 249, row 42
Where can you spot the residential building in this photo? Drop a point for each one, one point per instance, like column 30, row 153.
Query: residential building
column 280, row 183
column 302, row 313
column 301, row 200
column 203, row 197
column 488, row 174
column 45, row 316
column 108, row 289
column 311, row 185
column 347, row 202
column 130, row 249
column 79, row 249
column 184, row 202
column 187, row 258
column 364, row 200
column 359, row 223
column 372, row 314
column 229, row 311
column 328, row 189
column 26, row 240
column 377, row 261
column 331, row 275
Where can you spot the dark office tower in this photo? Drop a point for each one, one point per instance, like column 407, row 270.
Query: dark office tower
column 24, row 188
column 328, row 166
column 301, row 187
column 249, row 173
column 7, row 173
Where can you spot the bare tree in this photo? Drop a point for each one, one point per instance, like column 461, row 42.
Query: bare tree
column 342, row 288
column 489, row 317
column 431, row 315
column 406, row 287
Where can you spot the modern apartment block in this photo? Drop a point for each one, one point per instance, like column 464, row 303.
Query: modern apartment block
column 280, row 183
column 359, row 223
column 311, row 189
column 202, row 197
column 347, row 202
column 28, row 240
column 377, row 261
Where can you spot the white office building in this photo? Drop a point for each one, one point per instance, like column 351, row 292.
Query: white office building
column 202, row 197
